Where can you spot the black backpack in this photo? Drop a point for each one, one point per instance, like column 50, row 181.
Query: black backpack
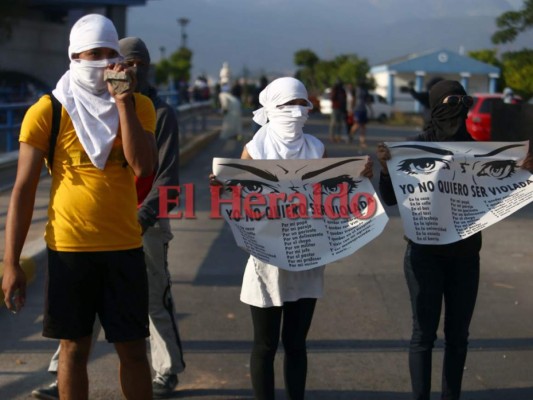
column 54, row 132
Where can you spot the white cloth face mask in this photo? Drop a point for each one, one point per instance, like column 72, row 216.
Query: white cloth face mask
column 288, row 121
column 90, row 74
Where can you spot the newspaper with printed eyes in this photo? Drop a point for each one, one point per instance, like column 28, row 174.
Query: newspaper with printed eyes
column 298, row 214
column 447, row 191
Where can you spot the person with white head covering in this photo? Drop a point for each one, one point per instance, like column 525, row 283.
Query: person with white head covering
column 281, row 300
column 282, row 117
column 165, row 344
column 508, row 96
column 95, row 263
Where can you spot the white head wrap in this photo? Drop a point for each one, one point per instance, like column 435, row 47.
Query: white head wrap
column 92, row 31
column 281, row 136
column 93, row 113
column 279, row 92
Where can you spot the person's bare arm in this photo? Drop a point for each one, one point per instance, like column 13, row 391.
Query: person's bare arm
column 385, row 183
column 18, row 222
column 245, row 155
column 368, row 171
column 139, row 146
column 383, row 155
column 528, row 161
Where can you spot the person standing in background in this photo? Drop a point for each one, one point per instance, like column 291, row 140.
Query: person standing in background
column 509, row 97
column 350, row 103
column 338, row 111
column 360, row 114
column 165, row 343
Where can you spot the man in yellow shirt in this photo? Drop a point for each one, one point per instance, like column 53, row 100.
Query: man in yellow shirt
column 95, row 259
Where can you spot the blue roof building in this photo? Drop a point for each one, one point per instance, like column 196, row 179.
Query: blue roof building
column 393, row 75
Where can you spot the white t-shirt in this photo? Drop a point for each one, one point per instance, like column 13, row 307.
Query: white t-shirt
column 266, row 285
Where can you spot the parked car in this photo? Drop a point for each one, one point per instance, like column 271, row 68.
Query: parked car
column 378, row 108
column 479, row 117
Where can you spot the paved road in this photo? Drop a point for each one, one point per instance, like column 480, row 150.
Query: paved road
column 360, row 332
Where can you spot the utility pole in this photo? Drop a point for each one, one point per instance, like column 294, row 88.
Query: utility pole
column 182, row 22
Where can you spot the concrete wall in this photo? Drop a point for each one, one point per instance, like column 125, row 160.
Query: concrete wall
column 37, row 48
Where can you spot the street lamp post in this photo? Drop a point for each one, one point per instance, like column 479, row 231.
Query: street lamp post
column 183, row 23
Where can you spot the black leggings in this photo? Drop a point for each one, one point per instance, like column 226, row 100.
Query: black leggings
column 297, row 318
column 431, row 279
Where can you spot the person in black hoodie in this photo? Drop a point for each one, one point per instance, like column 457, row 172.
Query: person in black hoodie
column 434, row 272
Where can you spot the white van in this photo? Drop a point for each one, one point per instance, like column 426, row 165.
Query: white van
column 379, row 108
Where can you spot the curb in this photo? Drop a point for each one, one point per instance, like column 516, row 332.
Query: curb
column 195, row 145
column 36, row 250
column 9, row 160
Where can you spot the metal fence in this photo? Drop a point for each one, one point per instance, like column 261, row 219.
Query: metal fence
column 192, row 119
column 10, row 120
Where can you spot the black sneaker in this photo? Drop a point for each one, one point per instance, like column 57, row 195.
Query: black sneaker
column 164, row 385
column 48, row 393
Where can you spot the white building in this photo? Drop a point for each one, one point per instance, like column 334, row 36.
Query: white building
column 391, row 76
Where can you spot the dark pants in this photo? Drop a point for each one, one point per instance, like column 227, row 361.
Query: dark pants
column 297, row 318
column 431, row 278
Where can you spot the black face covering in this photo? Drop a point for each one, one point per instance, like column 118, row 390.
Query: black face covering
column 448, row 123
column 134, row 48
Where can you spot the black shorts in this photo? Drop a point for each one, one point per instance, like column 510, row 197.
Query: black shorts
column 361, row 116
column 80, row 285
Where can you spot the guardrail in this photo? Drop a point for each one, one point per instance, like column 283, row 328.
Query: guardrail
column 10, row 120
column 192, row 118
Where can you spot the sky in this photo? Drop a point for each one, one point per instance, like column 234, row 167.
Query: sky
column 261, row 36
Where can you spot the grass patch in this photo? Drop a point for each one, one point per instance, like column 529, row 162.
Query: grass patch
column 405, row 119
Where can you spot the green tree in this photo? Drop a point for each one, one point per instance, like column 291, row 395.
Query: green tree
column 319, row 74
column 516, row 67
column 307, row 62
column 518, row 70
column 354, row 70
column 490, row 56
column 305, row 58
column 324, row 71
column 512, row 23
column 177, row 66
